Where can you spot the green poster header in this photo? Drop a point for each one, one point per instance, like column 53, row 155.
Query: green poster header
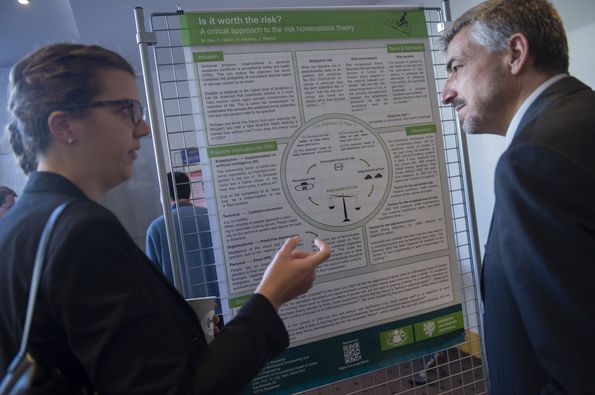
column 244, row 27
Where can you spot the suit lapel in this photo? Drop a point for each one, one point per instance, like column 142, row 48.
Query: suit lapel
column 558, row 90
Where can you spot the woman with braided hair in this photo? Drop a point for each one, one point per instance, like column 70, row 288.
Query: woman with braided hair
column 104, row 316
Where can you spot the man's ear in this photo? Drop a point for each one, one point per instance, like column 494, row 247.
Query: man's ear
column 60, row 126
column 518, row 53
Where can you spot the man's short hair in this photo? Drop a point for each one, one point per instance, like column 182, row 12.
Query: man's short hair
column 4, row 192
column 494, row 21
column 182, row 185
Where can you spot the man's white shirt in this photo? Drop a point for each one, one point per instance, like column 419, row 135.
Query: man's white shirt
column 520, row 113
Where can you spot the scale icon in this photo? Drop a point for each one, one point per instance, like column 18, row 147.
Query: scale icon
column 331, row 204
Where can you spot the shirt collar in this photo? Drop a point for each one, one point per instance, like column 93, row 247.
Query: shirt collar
column 181, row 202
column 520, row 113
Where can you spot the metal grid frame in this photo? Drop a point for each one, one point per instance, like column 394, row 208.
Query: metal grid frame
column 457, row 370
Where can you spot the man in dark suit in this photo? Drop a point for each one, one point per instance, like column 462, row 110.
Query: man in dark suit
column 507, row 64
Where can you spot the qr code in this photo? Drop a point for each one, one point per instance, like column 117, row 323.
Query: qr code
column 351, row 352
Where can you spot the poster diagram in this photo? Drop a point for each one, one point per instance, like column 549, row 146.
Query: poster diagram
column 324, row 123
column 336, row 172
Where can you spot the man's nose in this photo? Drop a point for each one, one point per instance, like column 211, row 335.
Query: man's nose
column 448, row 93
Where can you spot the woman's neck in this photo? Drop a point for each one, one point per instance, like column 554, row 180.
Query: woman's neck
column 85, row 183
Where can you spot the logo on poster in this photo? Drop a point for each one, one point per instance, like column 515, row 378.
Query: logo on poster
column 399, row 337
column 429, row 328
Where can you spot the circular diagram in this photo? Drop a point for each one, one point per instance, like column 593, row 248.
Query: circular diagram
column 336, row 172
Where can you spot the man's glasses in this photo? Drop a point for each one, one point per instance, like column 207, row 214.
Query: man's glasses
column 133, row 107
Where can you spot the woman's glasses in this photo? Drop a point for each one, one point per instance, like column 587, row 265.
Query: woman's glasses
column 132, row 106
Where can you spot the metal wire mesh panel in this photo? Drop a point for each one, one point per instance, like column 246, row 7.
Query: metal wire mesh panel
column 454, row 370
column 196, row 250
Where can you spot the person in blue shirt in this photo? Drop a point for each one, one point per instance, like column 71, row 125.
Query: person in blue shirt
column 195, row 246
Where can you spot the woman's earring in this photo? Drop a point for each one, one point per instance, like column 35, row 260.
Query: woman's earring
column 70, row 140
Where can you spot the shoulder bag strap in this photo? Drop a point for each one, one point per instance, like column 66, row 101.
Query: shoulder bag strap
column 37, row 269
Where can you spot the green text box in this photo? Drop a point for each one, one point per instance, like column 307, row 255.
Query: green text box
column 416, row 47
column 212, row 56
column 241, row 149
column 420, row 129
column 238, row 301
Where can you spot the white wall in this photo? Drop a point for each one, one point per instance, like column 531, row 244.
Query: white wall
column 579, row 21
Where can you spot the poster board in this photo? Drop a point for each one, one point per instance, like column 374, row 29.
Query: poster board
column 324, row 123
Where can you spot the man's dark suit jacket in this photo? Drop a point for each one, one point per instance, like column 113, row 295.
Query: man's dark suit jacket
column 104, row 313
column 539, row 266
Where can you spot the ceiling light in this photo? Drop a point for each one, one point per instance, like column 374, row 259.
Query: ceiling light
column 23, row 2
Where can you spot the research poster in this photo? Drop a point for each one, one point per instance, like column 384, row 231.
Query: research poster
column 324, row 123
